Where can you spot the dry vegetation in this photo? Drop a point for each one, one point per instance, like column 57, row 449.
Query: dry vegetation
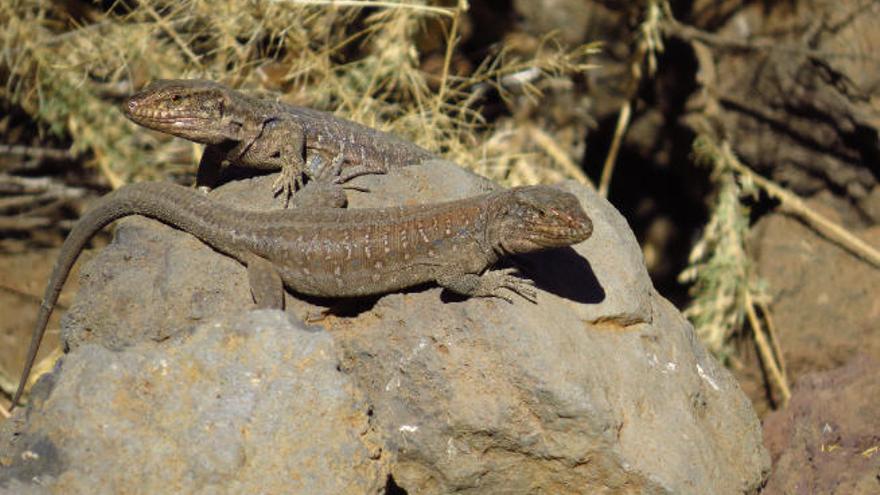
column 68, row 65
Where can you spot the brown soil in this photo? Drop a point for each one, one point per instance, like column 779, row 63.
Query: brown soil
column 828, row 438
column 24, row 276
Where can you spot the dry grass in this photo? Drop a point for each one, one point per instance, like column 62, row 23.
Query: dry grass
column 69, row 65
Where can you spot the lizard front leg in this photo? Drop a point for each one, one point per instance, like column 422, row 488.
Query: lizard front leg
column 489, row 284
column 208, row 173
column 279, row 146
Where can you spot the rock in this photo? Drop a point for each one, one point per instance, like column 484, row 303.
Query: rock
column 253, row 403
column 826, row 440
column 783, row 108
column 602, row 385
column 824, row 299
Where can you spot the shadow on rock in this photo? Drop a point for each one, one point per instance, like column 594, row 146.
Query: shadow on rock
column 563, row 272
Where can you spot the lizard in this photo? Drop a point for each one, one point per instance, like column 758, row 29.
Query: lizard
column 329, row 251
column 264, row 134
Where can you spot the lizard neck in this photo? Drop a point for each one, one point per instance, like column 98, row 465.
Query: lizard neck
column 495, row 228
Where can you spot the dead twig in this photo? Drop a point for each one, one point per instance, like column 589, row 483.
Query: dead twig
column 31, row 200
column 28, row 192
column 38, row 152
column 552, row 148
column 767, row 354
column 611, row 158
column 23, row 224
column 649, row 44
column 673, row 28
column 792, row 204
column 774, row 342
column 172, row 33
column 374, row 3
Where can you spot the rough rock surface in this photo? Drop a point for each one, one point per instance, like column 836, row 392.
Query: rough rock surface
column 232, row 408
column 601, row 386
column 828, row 438
column 803, row 107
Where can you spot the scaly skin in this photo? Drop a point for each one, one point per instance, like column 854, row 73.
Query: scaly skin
column 335, row 252
column 264, row 134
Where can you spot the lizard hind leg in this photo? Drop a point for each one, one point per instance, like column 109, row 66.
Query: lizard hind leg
column 322, row 191
column 266, row 286
column 320, row 170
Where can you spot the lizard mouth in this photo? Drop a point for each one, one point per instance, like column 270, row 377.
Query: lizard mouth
column 159, row 120
column 168, row 120
column 561, row 236
column 540, row 237
column 133, row 110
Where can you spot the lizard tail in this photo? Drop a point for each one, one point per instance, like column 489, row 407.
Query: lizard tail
column 169, row 203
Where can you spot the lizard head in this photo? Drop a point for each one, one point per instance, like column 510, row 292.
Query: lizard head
column 533, row 218
column 193, row 109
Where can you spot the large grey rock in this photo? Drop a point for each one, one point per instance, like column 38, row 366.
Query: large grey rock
column 601, row 386
column 250, row 404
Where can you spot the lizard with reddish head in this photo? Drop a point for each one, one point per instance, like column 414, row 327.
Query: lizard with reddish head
column 328, row 251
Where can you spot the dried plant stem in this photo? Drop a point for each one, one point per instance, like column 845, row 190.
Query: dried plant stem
column 774, row 341
column 552, row 148
column 41, row 153
column 793, row 204
column 650, row 42
column 373, row 3
column 526, row 171
column 7, row 387
column 451, row 42
column 172, row 33
column 764, row 348
column 611, row 158
column 112, row 177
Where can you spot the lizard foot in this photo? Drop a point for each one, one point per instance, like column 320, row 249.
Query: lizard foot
column 322, row 191
column 290, row 179
column 493, row 282
column 489, row 284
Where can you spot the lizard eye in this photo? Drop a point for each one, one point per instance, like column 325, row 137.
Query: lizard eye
column 175, row 98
